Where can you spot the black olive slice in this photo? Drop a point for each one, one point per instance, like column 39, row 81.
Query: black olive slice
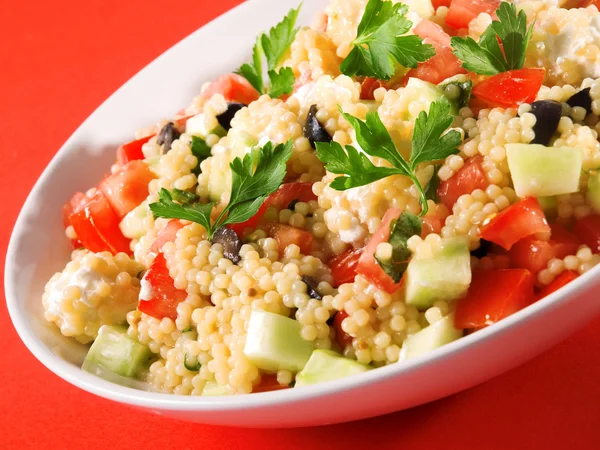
column 231, row 243
column 547, row 113
column 311, row 287
column 313, row 130
column 167, row 135
column 226, row 117
column 483, row 249
column 582, row 99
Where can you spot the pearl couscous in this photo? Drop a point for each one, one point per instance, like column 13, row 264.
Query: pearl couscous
column 307, row 222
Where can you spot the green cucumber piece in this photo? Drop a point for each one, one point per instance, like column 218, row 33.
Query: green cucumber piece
column 327, row 365
column 117, row 352
column 426, row 91
column 549, row 205
column 440, row 333
column 213, row 389
column 446, row 276
column 541, row 171
column 593, row 193
column 273, row 342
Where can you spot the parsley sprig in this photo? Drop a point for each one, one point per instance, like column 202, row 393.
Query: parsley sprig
column 487, row 57
column 381, row 38
column 430, row 142
column 401, row 230
column 253, row 178
column 273, row 47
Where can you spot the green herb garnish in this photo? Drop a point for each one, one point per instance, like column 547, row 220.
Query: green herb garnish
column 487, row 57
column 381, row 39
column 430, row 142
column 253, row 178
column 184, row 197
column 273, row 47
column 200, row 150
column 191, row 367
column 401, row 230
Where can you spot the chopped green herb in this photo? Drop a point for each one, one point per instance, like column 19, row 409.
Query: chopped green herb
column 188, row 329
column 489, row 58
column 273, row 47
column 406, row 226
column 184, row 197
column 381, row 39
column 194, row 367
column 254, row 177
column 431, row 141
column 200, row 150
column 433, row 184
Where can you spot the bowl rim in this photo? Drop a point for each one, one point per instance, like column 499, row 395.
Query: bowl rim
column 98, row 386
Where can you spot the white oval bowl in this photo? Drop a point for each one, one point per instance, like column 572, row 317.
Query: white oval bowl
column 38, row 248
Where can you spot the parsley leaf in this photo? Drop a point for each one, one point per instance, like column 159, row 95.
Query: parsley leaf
column 433, row 184
column 200, row 150
column 272, row 47
column 401, row 230
column 489, row 58
column 184, row 197
column 253, row 178
column 431, row 142
column 381, row 39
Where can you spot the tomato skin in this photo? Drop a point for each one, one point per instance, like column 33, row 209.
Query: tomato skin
column 287, row 235
column 268, row 383
column 343, row 266
column 561, row 280
column 431, row 224
column 494, row 295
column 437, row 3
column 77, row 202
column 444, row 64
column 97, row 226
column 468, row 178
column 588, row 231
column 280, row 199
column 132, row 151
column 165, row 296
column 233, row 87
column 516, row 222
column 564, row 243
column 531, row 254
column 343, row 339
column 368, row 87
column 461, row 12
column 128, row 187
column 511, row 89
column 368, row 266
column 167, row 234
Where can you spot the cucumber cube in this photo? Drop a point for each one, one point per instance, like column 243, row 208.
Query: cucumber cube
column 440, row 333
column 446, row 276
column 327, row 365
column 593, row 193
column 541, row 171
column 427, row 94
column 212, row 389
column 273, row 342
column 117, row 352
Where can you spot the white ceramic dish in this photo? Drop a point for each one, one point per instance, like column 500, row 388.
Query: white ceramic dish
column 38, row 248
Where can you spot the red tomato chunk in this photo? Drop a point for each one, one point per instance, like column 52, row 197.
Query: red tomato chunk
column 518, row 221
column 343, row 266
column 494, row 295
column 510, row 89
column 343, row 339
column 97, row 226
column 128, row 187
column 561, row 280
column 468, row 178
column 268, row 383
column 287, row 235
column 461, row 12
column 163, row 296
column 368, row 266
column 132, row 151
column 233, row 87
column 588, row 231
column 167, row 234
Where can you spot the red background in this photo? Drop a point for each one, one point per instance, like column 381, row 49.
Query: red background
column 58, row 61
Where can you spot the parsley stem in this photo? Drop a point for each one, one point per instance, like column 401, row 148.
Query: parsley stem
column 424, row 205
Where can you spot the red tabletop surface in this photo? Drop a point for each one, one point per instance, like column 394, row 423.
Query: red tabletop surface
column 58, row 61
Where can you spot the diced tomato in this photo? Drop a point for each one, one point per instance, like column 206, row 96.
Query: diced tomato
column 97, row 226
column 561, row 280
column 343, row 266
column 268, row 383
column 468, row 178
column 586, row 3
column 128, row 187
column 368, row 266
column 534, row 254
column 287, row 235
column 167, row 234
column 164, row 296
column 518, row 221
column 494, row 295
column 280, row 199
column 431, row 224
column 588, row 232
column 77, row 202
column 368, row 87
column 444, row 64
column 461, row 12
column 131, row 151
column 512, row 88
column 437, row 3
column 233, row 87
column 343, row 339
